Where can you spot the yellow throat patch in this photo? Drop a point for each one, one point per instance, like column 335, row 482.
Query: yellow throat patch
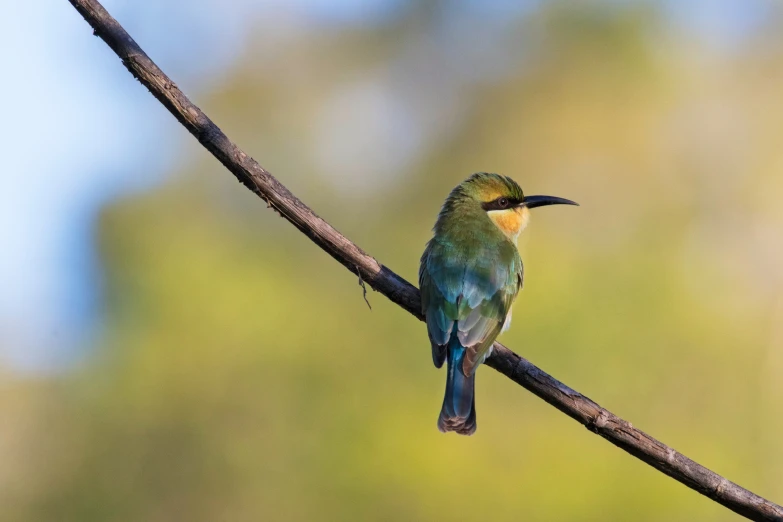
column 510, row 221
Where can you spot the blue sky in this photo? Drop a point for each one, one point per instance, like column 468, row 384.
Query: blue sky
column 79, row 131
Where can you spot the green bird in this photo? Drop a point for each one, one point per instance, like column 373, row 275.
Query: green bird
column 469, row 276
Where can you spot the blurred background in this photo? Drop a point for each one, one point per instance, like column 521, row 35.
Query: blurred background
column 172, row 350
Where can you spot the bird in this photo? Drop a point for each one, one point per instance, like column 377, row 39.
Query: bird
column 469, row 276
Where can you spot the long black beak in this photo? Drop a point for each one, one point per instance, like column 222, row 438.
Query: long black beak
column 542, row 201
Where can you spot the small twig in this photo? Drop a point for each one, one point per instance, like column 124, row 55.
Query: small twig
column 364, row 287
column 617, row 431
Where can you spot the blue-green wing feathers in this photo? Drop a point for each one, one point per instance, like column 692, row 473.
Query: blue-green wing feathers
column 469, row 287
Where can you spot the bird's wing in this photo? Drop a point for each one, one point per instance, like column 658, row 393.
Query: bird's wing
column 470, row 289
column 440, row 312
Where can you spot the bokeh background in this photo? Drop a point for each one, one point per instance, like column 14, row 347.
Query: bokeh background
column 170, row 349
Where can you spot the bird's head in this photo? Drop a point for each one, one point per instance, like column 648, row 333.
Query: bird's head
column 504, row 202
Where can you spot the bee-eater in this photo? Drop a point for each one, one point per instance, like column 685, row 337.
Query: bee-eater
column 469, row 276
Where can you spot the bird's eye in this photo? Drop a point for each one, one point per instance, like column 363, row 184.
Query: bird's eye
column 502, row 202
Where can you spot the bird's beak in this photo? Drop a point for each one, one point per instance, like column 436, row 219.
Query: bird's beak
column 542, row 201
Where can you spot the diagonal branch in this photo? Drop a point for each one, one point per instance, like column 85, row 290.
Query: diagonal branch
column 597, row 419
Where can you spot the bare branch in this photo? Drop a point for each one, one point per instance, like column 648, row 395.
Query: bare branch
column 597, row 419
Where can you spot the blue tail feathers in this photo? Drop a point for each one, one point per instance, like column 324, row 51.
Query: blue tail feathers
column 459, row 408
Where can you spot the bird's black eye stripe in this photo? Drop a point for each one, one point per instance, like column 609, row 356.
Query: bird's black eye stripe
column 500, row 203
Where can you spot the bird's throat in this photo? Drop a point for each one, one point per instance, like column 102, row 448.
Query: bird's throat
column 511, row 221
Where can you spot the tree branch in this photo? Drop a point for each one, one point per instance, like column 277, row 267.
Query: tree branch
column 597, row 419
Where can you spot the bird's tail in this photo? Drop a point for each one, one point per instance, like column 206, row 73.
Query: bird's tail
column 459, row 407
